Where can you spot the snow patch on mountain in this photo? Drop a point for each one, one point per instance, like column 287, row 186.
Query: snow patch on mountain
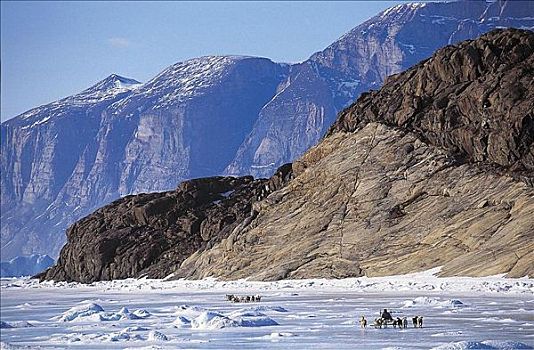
column 184, row 80
column 112, row 87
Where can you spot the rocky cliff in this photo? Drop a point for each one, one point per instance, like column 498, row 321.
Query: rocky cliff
column 63, row 160
column 152, row 234
column 431, row 170
column 476, row 100
column 394, row 40
column 207, row 116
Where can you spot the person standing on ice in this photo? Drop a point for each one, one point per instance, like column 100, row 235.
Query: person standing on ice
column 386, row 315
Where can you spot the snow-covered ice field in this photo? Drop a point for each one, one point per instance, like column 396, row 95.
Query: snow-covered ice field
column 459, row 313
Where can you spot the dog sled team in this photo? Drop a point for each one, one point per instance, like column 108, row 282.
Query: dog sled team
column 386, row 319
column 243, row 298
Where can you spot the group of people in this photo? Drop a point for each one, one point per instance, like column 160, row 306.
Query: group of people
column 243, row 298
column 386, row 318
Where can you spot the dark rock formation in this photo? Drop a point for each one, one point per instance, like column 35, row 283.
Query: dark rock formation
column 383, row 193
column 151, row 234
column 475, row 100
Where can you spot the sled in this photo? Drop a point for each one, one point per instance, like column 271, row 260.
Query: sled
column 384, row 324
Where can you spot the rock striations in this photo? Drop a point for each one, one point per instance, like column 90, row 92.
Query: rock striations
column 394, row 40
column 432, row 170
column 208, row 116
column 475, row 100
column 63, row 160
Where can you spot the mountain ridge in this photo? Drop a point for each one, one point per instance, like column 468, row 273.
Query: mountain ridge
column 372, row 198
column 65, row 159
column 249, row 117
column 360, row 60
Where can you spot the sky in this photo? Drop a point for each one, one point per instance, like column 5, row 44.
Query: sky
column 50, row 50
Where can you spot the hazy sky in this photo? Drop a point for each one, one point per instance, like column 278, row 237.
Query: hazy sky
column 55, row 49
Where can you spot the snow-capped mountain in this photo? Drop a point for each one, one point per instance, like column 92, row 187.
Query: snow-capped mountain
column 61, row 161
column 206, row 116
column 25, row 265
column 297, row 117
column 433, row 170
column 40, row 150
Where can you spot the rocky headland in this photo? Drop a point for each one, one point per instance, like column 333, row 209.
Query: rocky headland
column 434, row 169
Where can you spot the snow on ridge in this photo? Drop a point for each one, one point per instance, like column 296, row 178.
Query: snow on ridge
column 389, row 14
column 107, row 89
column 114, row 81
column 391, row 10
column 395, row 10
column 186, row 79
column 127, row 85
column 198, row 67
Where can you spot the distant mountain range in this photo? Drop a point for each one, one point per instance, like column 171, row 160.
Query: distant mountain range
column 206, row 116
column 434, row 170
column 25, row 266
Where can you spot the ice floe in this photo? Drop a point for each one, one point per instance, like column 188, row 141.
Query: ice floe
column 91, row 312
column 459, row 313
column 483, row 345
column 207, row 319
column 437, row 302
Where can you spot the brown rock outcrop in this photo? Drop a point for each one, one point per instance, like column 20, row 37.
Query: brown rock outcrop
column 379, row 202
column 421, row 174
column 475, row 100
column 151, row 234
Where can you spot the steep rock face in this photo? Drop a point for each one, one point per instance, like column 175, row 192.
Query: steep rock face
column 379, row 202
column 475, row 100
column 63, row 160
column 288, row 125
column 373, row 197
column 151, row 234
column 213, row 103
column 383, row 193
column 40, row 150
column 316, row 90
